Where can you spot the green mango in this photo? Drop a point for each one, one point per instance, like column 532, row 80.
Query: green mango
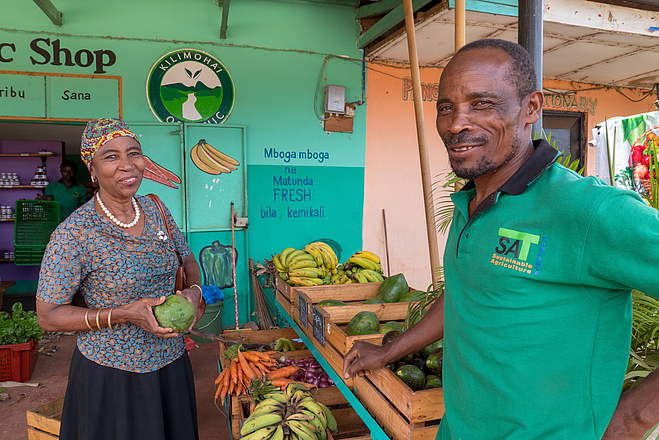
column 363, row 323
column 176, row 313
column 392, row 288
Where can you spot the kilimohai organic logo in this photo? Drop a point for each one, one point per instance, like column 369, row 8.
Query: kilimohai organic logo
column 188, row 85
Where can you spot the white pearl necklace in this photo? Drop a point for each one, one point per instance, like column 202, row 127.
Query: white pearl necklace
column 114, row 219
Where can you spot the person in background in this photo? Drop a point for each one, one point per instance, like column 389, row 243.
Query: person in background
column 129, row 378
column 67, row 191
column 539, row 268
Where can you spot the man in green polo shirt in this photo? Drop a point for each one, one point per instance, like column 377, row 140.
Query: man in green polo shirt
column 67, row 191
column 539, row 266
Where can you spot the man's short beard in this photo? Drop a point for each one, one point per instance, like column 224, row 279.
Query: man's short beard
column 484, row 165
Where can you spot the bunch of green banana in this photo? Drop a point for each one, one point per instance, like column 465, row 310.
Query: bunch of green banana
column 284, row 344
column 311, row 266
column 291, row 414
column 361, row 267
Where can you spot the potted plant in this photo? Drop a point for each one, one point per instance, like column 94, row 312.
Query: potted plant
column 19, row 336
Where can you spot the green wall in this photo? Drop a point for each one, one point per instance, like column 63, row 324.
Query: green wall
column 274, row 52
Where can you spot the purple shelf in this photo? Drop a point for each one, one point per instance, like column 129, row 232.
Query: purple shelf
column 15, row 161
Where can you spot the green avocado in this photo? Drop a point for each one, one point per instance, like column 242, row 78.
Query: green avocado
column 176, row 313
column 373, row 301
column 389, row 337
column 391, row 325
column 331, row 303
column 363, row 323
column 432, row 381
column 417, row 362
column 434, row 362
column 412, row 295
column 393, row 288
column 429, row 349
column 412, row 376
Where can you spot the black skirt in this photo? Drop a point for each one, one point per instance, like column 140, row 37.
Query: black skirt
column 104, row 403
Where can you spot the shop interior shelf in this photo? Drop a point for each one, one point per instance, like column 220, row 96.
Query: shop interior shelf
column 377, row 433
column 45, row 154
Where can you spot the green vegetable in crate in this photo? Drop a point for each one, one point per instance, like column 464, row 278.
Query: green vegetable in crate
column 331, row 303
column 176, row 313
column 373, row 301
column 284, row 344
column 412, row 376
column 393, row 288
column 430, row 348
column 216, row 264
column 391, row 325
column 389, row 337
column 434, row 362
column 432, row 381
column 413, row 295
column 363, row 323
column 418, row 362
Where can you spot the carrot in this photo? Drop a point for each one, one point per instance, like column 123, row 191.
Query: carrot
column 232, row 387
column 219, row 390
column 262, row 367
column 233, row 371
column 250, row 357
column 220, row 377
column 270, row 352
column 308, row 385
column 261, row 355
column 227, row 379
column 245, row 366
column 224, row 392
column 281, row 382
column 252, row 406
column 282, row 372
column 239, row 388
column 255, row 369
column 241, row 374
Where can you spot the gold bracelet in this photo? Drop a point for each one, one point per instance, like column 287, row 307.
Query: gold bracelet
column 197, row 286
column 87, row 321
column 97, row 315
column 110, row 314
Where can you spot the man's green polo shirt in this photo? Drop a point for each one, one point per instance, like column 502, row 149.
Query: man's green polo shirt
column 537, row 307
column 69, row 199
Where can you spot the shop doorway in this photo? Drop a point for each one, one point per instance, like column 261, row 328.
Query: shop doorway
column 567, row 131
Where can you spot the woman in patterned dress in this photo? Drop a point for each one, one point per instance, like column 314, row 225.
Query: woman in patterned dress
column 129, row 378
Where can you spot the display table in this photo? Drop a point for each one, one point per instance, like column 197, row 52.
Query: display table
column 377, row 433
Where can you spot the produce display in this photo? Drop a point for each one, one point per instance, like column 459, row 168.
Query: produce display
column 309, row 371
column 22, row 326
column 393, row 289
column 421, row 370
column 317, row 265
column 256, row 373
column 176, row 313
column 363, row 323
column 291, row 414
column 640, row 158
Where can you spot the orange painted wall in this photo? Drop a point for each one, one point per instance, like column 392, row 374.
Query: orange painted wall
column 392, row 178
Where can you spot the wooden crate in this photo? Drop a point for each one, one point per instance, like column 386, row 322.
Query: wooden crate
column 43, row 422
column 404, row 414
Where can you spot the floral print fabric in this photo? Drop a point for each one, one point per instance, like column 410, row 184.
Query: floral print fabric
column 112, row 268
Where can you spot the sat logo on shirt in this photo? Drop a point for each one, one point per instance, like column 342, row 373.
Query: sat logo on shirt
column 513, row 248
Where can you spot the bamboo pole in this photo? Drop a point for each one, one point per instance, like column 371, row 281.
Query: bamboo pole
column 423, row 147
column 460, row 24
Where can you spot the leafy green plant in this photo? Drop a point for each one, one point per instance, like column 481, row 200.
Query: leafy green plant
column 21, row 326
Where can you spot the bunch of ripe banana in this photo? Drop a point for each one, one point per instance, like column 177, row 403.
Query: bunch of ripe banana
column 283, row 344
column 312, row 266
column 361, row 267
column 210, row 160
column 291, row 414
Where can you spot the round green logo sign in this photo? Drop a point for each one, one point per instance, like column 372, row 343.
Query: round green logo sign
column 189, row 85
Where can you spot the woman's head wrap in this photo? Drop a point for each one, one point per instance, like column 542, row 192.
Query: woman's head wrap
column 97, row 133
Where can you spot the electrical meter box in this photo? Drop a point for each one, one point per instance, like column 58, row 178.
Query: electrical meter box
column 335, row 99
